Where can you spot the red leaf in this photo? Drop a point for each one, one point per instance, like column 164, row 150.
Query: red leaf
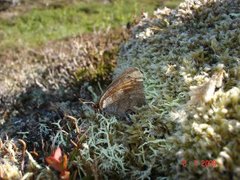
column 64, row 161
column 57, row 161
column 64, row 175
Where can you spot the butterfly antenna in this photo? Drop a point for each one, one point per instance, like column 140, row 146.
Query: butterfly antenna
column 84, row 101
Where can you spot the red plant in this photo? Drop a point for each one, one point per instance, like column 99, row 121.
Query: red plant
column 59, row 161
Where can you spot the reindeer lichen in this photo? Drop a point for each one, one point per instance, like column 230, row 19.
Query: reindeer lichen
column 195, row 45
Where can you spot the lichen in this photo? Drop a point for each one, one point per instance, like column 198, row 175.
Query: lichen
column 109, row 152
column 9, row 164
column 190, row 61
column 195, row 45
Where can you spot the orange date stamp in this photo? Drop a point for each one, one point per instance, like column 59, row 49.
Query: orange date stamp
column 200, row 163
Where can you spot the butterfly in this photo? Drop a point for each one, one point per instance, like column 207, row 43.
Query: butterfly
column 124, row 94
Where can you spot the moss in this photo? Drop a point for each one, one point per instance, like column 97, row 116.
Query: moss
column 190, row 61
column 191, row 49
column 104, row 66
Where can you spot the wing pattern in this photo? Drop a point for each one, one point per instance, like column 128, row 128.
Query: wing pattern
column 124, row 93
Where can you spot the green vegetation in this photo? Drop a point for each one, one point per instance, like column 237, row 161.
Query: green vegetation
column 172, row 3
column 37, row 26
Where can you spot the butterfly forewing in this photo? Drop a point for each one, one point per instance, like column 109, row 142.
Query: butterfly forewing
column 124, row 81
column 124, row 93
column 120, row 80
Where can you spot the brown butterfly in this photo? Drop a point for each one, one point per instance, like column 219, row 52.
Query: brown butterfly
column 124, row 94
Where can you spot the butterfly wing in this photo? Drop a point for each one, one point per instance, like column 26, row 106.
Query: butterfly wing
column 124, row 93
column 120, row 79
column 116, row 85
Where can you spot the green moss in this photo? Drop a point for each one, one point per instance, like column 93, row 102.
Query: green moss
column 171, row 4
column 99, row 73
column 190, row 51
